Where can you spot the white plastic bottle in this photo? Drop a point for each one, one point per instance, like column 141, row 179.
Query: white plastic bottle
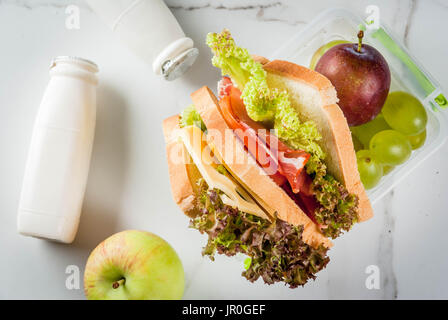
column 59, row 155
column 149, row 28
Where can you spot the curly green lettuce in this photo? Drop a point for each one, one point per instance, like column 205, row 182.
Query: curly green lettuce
column 338, row 208
column 247, row 75
column 190, row 116
column 299, row 135
column 276, row 250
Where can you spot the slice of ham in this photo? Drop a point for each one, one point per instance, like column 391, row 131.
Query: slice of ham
column 224, row 86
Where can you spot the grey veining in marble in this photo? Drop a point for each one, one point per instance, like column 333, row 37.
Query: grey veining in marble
column 386, row 250
column 128, row 182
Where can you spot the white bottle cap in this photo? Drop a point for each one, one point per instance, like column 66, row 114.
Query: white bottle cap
column 84, row 63
column 84, row 69
column 175, row 59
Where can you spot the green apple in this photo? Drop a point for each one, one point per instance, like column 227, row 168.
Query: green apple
column 133, row 265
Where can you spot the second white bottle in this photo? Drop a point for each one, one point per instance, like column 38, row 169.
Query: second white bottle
column 59, row 155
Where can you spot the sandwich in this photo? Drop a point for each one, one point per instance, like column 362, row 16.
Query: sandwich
column 267, row 169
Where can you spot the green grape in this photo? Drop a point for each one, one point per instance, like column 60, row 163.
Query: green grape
column 418, row 140
column 390, row 147
column 369, row 170
column 387, row 169
column 404, row 113
column 356, row 143
column 366, row 131
column 320, row 52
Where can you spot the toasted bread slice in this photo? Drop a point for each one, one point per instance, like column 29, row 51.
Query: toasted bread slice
column 183, row 172
column 252, row 176
column 315, row 98
column 260, row 59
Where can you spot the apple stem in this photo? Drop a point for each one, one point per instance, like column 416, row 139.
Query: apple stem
column 360, row 36
column 116, row 284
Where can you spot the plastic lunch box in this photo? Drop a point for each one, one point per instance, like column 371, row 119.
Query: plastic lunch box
column 407, row 75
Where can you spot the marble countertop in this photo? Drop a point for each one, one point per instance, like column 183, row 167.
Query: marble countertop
column 128, row 184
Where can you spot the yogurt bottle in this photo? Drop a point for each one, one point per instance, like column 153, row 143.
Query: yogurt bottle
column 149, row 28
column 59, row 156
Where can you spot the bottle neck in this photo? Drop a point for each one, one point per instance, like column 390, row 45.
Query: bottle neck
column 75, row 67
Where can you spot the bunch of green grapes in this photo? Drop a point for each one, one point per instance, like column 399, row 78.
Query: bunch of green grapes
column 388, row 140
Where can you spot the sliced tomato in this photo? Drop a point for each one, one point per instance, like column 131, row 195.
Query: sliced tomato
column 227, row 113
column 310, row 204
column 239, row 109
column 306, row 202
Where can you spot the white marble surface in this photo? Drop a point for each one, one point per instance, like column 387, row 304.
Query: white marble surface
column 128, row 184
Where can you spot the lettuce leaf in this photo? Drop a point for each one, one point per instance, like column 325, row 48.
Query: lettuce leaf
column 246, row 74
column 338, row 208
column 275, row 250
column 190, row 116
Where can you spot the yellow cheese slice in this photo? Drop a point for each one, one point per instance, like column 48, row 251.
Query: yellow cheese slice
column 260, row 201
column 234, row 195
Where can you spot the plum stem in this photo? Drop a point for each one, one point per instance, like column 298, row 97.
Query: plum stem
column 360, row 36
column 117, row 283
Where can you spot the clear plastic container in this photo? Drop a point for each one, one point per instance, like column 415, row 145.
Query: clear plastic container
column 407, row 75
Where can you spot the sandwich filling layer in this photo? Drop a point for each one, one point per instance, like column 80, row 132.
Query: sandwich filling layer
column 247, row 102
column 236, row 224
